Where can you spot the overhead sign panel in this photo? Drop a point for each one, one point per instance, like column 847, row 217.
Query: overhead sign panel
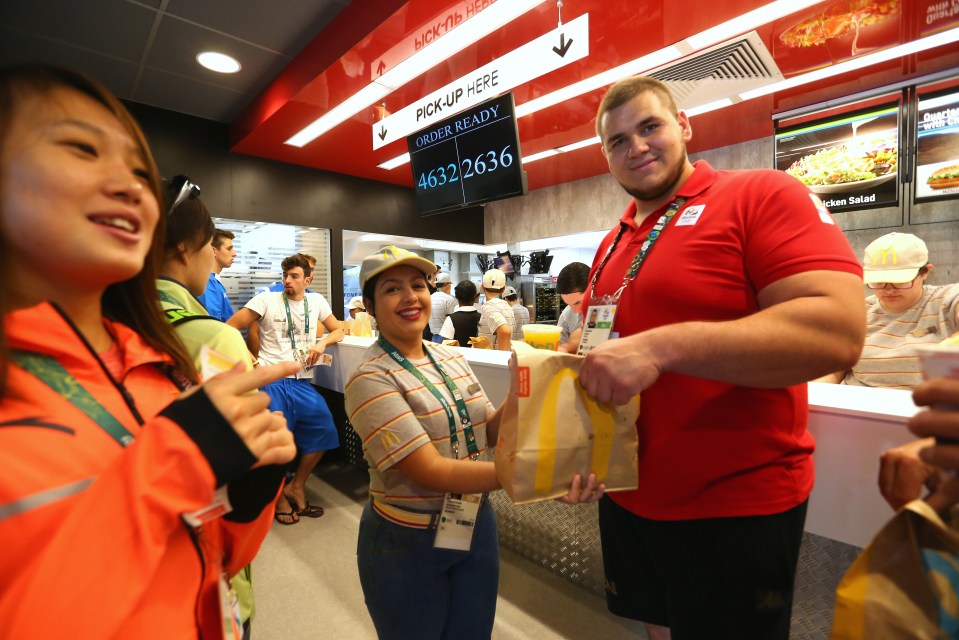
column 549, row 52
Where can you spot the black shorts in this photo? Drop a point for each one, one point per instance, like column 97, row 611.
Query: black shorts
column 711, row 578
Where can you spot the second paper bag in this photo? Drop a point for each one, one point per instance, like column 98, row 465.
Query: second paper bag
column 551, row 430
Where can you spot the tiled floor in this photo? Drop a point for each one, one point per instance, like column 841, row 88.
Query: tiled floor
column 307, row 585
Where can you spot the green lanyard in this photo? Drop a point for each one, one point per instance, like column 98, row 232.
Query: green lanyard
column 289, row 320
column 52, row 373
column 644, row 250
column 394, row 353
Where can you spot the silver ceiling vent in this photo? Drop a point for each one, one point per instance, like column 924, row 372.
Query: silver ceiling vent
column 721, row 71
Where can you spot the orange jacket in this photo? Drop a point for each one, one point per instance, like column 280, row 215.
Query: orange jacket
column 92, row 544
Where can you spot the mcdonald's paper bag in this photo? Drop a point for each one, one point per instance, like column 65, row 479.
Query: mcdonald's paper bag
column 905, row 584
column 551, row 430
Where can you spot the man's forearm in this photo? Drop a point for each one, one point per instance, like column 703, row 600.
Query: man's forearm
column 791, row 343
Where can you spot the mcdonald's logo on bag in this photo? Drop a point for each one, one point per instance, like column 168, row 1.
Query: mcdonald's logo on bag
column 523, row 391
column 603, row 423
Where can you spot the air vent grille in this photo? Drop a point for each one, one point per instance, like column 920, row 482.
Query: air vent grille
column 722, row 71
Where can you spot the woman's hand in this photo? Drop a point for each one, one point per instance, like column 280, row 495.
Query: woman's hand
column 235, row 395
column 591, row 491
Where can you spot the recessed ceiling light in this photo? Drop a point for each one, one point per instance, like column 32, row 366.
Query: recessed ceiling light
column 219, row 62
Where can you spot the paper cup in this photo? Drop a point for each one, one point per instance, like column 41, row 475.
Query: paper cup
column 939, row 360
column 541, row 336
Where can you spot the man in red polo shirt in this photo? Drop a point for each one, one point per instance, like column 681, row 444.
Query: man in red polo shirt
column 736, row 287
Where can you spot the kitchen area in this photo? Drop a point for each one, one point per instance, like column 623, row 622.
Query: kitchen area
column 536, row 264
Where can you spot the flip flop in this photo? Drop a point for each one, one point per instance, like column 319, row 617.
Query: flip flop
column 310, row 510
column 292, row 514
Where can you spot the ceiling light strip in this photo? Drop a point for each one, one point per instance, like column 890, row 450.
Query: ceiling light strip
column 917, row 46
column 453, row 41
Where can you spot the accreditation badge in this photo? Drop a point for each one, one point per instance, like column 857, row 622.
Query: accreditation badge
column 457, row 521
column 597, row 327
column 230, row 620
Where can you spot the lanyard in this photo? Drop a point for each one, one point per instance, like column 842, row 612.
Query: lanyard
column 289, row 320
column 52, row 373
column 394, row 353
column 644, row 250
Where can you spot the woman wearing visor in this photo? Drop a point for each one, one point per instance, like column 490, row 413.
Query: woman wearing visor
column 428, row 551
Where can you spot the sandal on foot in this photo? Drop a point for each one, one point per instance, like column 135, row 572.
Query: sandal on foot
column 291, row 514
column 310, row 510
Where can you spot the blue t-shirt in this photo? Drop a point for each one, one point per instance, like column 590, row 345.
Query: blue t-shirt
column 215, row 301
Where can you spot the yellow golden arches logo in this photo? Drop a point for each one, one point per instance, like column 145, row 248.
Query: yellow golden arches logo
column 392, row 252
column 881, row 258
column 389, row 440
column 604, row 426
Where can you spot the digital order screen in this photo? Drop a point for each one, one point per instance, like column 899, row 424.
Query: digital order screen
column 469, row 158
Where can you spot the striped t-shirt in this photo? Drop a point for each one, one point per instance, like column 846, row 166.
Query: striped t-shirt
column 494, row 314
column 394, row 414
column 889, row 358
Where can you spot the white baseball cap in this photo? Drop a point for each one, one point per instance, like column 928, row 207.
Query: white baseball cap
column 894, row 257
column 494, row 279
column 509, row 291
column 442, row 278
column 356, row 303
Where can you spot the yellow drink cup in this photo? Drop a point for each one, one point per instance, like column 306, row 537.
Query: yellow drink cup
column 541, row 336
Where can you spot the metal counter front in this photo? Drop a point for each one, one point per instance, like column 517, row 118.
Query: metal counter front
column 852, row 427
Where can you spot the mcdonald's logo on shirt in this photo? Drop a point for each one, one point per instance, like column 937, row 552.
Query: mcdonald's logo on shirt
column 389, row 440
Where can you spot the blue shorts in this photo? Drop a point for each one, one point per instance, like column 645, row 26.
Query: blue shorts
column 306, row 414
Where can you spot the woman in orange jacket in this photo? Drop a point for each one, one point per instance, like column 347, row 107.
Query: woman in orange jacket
column 125, row 502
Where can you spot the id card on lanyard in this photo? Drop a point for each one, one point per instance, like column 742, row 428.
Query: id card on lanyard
column 598, row 323
column 458, row 517
column 301, row 355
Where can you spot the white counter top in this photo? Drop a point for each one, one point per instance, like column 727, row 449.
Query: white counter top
column 852, row 427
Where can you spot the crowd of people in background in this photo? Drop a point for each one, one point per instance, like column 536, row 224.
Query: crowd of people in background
column 147, row 447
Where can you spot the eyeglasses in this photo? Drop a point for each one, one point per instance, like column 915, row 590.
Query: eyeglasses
column 875, row 286
column 185, row 189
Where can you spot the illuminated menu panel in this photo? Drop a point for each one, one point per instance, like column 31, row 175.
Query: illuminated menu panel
column 937, row 146
column 850, row 161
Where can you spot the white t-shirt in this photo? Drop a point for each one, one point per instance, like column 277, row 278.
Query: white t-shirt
column 275, row 343
column 496, row 312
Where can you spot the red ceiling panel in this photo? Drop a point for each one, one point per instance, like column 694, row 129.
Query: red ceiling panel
column 331, row 69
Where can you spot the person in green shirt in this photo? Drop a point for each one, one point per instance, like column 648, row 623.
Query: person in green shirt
column 187, row 262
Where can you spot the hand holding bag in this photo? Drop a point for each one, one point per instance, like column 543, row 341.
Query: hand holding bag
column 551, row 430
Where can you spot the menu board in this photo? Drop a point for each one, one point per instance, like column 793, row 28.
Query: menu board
column 937, row 146
column 469, row 158
column 850, row 160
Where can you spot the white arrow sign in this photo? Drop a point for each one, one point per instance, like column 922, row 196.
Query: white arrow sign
column 547, row 53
